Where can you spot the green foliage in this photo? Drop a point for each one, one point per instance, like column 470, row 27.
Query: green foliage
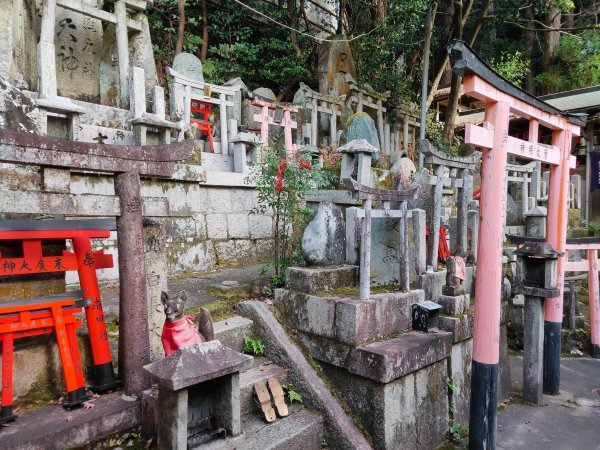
column 434, row 132
column 594, row 227
column 453, row 388
column 253, row 346
column 512, row 66
column 282, row 181
column 459, row 433
column 578, row 64
column 383, row 56
column 293, row 396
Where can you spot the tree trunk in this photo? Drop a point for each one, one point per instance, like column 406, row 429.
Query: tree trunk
column 455, row 83
column 180, row 28
column 470, row 40
column 203, row 53
column 293, row 13
column 529, row 42
column 551, row 38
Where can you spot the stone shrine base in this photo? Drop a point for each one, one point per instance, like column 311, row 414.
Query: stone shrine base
column 403, row 386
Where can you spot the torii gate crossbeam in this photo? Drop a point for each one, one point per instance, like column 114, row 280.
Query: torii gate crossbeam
column 501, row 99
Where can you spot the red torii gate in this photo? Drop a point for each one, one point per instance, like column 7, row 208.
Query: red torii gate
column 501, row 99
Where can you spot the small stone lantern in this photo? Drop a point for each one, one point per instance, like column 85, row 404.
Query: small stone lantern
column 536, row 279
column 426, row 316
column 537, row 270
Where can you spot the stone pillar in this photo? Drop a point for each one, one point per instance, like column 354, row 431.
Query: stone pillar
column 242, row 144
column 405, row 134
column 173, row 407
column 134, row 349
column 158, row 108
column 155, row 252
column 223, row 121
column 137, row 102
column 419, row 220
column 536, row 181
column 365, row 254
column 314, row 123
column 352, row 235
column 333, row 127
column 403, row 256
column 436, row 217
column 473, row 233
column 363, row 175
column 122, row 52
column 533, row 350
column 46, row 54
column 227, row 404
column 464, row 196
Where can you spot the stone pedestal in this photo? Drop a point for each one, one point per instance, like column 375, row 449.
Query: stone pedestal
column 244, row 151
column 197, row 384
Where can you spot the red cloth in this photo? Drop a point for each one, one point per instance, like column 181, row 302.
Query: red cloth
column 179, row 334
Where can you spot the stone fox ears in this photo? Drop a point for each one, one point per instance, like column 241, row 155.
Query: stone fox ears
column 164, row 297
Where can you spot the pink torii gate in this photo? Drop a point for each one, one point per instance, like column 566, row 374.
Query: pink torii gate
column 501, row 99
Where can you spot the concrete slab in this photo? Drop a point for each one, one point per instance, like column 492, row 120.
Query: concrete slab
column 247, row 379
column 560, row 423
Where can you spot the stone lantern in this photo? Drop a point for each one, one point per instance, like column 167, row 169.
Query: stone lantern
column 536, row 279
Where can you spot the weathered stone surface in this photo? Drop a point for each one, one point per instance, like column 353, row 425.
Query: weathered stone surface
column 330, row 351
column 231, row 332
column 388, row 360
column 513, row 213
column 197, row 363
column 460, row 327
column 348, row 320
column 189, row 65
column 408, row 413
column 308, row 313
column 362, row 126
column 431, row 392
column 317, row 279
column 455, row 305
column 504, row 384
column 324, row 238
column 300, row 430
column 459, row 371
column 359, row 321
column 405, row 170
column 340, row 432
column 432, row 283
column 55, row 427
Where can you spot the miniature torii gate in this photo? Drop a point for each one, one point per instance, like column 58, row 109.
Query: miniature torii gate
column 501, row 99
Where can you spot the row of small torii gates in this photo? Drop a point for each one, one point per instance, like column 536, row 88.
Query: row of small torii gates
column 502, row 99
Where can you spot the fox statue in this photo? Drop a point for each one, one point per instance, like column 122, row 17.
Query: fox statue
column 179, row 330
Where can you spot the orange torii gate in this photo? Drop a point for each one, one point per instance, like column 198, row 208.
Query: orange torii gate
column 501, row 99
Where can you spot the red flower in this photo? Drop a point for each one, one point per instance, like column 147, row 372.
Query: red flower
column 279, row 182
column 304, row 164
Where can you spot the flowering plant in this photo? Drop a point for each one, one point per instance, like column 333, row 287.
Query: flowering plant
column 282, row 181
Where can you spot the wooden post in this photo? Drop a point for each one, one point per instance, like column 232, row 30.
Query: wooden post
column 365, row 254
column 380, row 126
column 134, row 342
column 486, row 333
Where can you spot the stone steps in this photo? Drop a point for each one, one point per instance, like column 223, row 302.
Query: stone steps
column 263, row 370
column 301, row 430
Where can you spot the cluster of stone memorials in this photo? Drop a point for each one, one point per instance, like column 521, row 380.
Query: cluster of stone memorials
column 106, row 176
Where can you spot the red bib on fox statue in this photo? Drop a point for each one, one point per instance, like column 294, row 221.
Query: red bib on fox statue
column 179, row 331
column 180, row 334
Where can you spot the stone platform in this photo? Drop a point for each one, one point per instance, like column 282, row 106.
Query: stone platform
column 394, row 380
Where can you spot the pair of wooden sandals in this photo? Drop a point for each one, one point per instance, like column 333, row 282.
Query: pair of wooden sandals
column 276, row 395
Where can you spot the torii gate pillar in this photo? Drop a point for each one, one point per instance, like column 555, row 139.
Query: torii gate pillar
column 502, row 99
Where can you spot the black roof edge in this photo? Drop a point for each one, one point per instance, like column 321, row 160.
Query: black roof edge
column 465, row 61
